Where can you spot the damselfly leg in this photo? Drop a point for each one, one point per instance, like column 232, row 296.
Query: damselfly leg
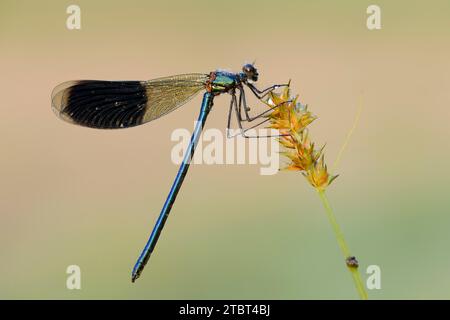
column 262, row 93
column 241, row 110
column 237, row 109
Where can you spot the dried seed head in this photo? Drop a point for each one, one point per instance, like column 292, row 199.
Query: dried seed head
column 292, row 118
column 318, row 175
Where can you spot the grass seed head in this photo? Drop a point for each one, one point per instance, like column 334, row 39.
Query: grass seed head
column 292, row 119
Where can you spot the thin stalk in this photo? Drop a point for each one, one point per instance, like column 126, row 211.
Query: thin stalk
column 349, row 134
column 351, row 261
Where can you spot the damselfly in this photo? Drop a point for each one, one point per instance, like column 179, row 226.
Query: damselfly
column 124, row 104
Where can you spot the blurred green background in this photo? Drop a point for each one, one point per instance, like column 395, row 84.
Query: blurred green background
column 71, row 195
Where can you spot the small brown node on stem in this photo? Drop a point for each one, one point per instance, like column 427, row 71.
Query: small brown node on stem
column 352, row 262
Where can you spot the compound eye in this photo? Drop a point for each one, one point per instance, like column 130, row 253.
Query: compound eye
column 248, row 68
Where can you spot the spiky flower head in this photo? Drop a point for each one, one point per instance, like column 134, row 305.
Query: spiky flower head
column 292, row 119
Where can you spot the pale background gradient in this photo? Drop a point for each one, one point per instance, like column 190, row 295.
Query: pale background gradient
column 71, row 195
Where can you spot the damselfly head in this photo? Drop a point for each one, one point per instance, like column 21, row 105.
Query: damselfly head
column 250, row 71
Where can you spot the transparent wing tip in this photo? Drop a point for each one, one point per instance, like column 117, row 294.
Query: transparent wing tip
column 60, row 97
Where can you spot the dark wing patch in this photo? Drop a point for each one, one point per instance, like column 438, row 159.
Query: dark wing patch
column 101, row 104
column 123, row 104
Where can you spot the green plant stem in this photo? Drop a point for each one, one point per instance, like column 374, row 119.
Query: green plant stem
column 343, row 245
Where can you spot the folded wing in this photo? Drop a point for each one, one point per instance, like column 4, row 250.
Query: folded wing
column 123, row 104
